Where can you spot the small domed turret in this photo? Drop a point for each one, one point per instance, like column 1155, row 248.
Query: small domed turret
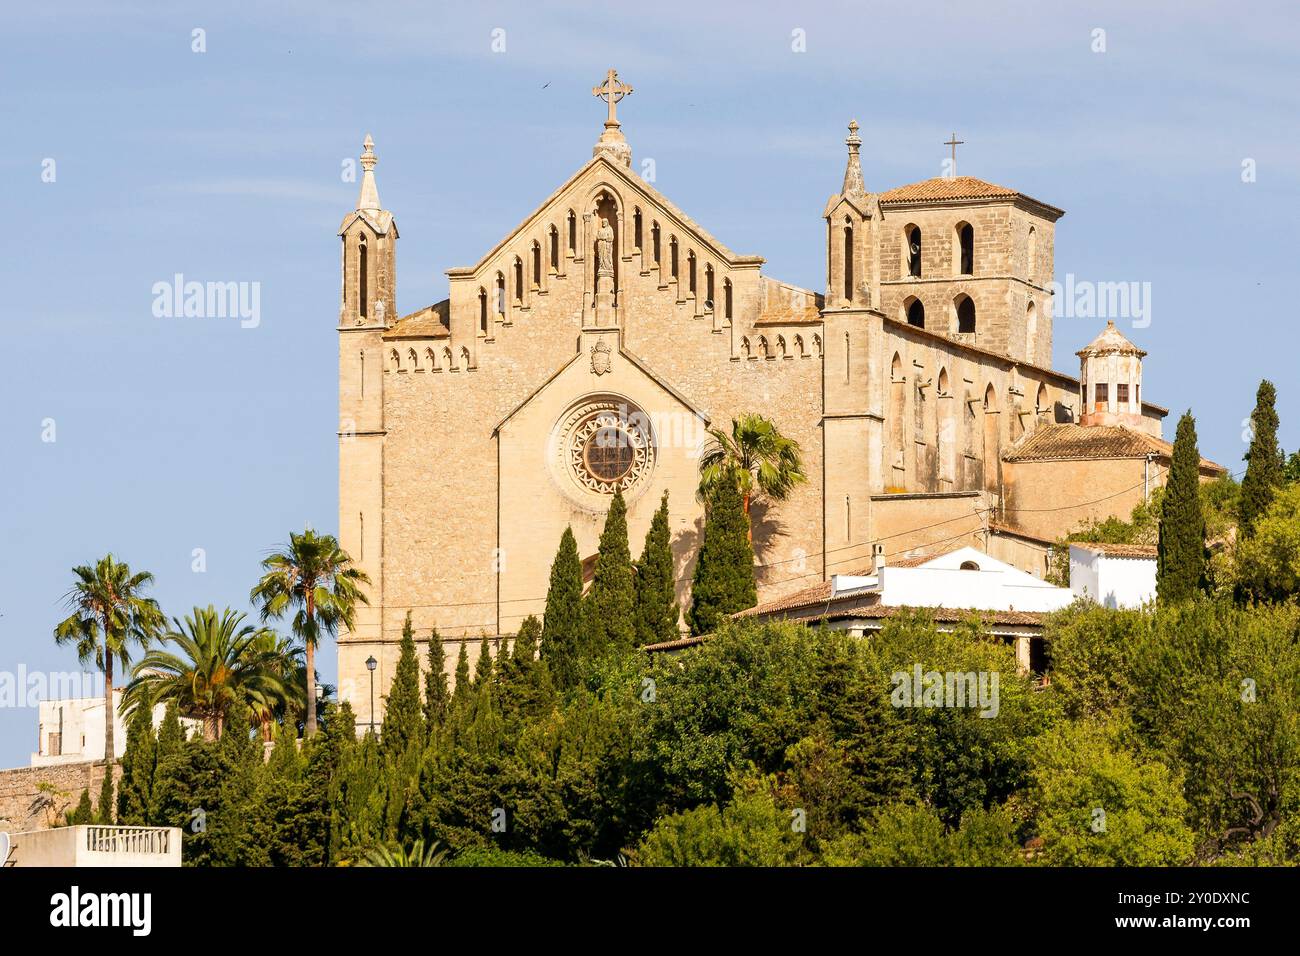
column 1110, row 380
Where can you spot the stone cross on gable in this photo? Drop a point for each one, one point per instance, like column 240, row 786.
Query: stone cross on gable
column 611, row 91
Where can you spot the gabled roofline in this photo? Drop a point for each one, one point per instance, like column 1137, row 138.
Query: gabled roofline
column 360, row 214
column 647, row 191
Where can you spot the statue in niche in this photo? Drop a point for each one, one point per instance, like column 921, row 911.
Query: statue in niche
column 604, row 247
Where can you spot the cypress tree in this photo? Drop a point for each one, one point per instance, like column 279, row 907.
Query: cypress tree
column 436, row 694
column 403, row 715
column 562, row 623
column 462, row 688
column 1180, row 561
column 84, row 814
column 236, row 736
column 656, row 611
column 609, row 609
column 530, row 633
column 724, row 572
column 483, row 666
column 104, row 814
column 1264, row 460
column 136, row 785
column 171, row 735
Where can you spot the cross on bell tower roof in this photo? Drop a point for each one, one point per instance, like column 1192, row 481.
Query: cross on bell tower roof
column 612, row 142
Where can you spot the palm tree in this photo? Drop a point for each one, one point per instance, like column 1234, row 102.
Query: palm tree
column 286, row 659
column 316, row 578
column 109, row 614
column 221, row 660
column 756, row 457
column 397, row 855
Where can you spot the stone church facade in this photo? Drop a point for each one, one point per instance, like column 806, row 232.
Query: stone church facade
column 594, row 343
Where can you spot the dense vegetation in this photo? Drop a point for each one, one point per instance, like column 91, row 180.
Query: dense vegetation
column 1167, row 735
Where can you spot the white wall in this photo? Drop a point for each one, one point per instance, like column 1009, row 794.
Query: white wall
column 993, row 590
column 1112, row 581
column 99, row 846
column 81, row 720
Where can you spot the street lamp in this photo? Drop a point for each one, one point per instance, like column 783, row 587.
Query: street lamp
column 371, row 664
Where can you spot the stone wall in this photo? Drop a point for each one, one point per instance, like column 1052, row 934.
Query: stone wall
column 25, row 805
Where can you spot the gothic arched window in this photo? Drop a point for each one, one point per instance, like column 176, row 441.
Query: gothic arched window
column 915, row 312
column 965, row 313
column 848, row 261
column 362, row 277
column 966, row 249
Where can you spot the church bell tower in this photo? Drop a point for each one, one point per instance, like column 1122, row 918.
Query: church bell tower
column 367, row 309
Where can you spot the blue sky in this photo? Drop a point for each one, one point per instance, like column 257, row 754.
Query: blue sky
column 173, row 434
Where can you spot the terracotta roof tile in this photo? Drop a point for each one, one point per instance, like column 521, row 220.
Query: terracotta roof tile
column 1000, row 527
column 947, row 187
column 882, row 612
column 1066, row 442
column 941, row 615
column 955, row 188
column 1110, row 340
column 807, row 597
column 1118, row 550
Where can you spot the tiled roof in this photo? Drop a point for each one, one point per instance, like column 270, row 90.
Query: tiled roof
column 1066, row 442
column 953, row 188
column 1000, row 527
column 1118, row 550
column 807, row 597
column 882, row 612
column 678, row 644
column 941, row 615
column 1110, row 340
column 429, row 323
column 916, row 560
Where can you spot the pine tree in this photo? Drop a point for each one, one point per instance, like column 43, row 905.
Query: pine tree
column 104, row 812
column 656, row 610
column 403, row 724
column 609, row 609
column 562, row 635
column 436, row 695
column 136, row 785
column 724, row 571
column 1180, row 564
column 483, row 666
column 1264, row 460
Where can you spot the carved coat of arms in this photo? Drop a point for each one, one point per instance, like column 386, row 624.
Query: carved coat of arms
column 601, row 361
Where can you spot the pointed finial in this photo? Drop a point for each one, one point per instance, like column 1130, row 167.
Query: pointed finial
column 853, row 182
column 369, row 197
